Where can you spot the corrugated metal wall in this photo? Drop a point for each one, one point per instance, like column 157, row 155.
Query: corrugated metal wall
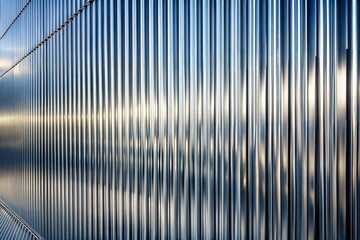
column 13, row 227
column 186, row 118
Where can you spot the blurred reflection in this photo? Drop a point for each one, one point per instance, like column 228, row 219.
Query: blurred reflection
column 180, row 119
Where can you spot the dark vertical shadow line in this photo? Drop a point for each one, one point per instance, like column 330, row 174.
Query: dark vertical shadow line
column 348, row 141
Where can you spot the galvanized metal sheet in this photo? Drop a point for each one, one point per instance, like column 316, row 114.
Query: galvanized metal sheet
column 182, row 119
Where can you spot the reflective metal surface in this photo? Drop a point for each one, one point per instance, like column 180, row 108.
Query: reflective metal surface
column 13, row 227
column 182, row 119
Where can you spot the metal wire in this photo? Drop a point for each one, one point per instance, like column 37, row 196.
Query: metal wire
column 13, row 227
column 180, row 119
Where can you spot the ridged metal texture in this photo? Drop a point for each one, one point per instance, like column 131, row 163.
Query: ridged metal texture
column 183, row 118
column 12, row 227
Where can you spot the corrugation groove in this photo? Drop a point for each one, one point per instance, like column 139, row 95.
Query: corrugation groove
column 181, row 119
